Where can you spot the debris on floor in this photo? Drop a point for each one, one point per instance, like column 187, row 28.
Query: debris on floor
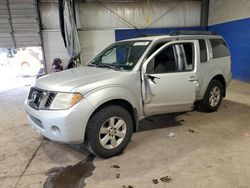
column 129, row 186
column 115, row 166
column 117, row 176
column 172, row 135
column 247, row 134
column 70, row 176
column 191, row 130
column 155, row 181
column 166, row 179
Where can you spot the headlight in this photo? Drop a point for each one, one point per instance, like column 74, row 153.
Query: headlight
column 64, row 101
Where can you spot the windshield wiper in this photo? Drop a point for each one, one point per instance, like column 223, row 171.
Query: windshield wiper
column 107, row 66
column 92, row 65
column 103, row 65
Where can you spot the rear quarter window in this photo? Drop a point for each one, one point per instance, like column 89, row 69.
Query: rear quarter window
column 219, row 48
column 203, row 51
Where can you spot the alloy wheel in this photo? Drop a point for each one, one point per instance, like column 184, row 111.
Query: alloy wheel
column 214, row 96
column 112, row 132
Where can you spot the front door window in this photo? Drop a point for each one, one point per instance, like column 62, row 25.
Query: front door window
column 175, row 58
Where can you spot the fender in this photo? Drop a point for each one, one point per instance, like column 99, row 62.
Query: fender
column 111, row 92
column 106, row 93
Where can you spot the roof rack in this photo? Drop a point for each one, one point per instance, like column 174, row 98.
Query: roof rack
column 185, row 32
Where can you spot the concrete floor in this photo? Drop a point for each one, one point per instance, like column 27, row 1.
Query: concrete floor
column 209, row 150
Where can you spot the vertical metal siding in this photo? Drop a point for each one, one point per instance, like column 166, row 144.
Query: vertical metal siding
column 5, row 29
column 19, row 24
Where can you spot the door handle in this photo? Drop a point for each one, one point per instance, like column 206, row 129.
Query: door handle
column 193, row 79
column 152, row 78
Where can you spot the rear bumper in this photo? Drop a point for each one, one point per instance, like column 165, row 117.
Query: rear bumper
column 67, row 126
column 229, row 78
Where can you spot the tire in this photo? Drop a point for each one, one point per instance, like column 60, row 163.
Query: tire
column 212, row 98
column 117, row 127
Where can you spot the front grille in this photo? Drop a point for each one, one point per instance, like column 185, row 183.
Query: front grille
column 40, row 99
column 49, row 100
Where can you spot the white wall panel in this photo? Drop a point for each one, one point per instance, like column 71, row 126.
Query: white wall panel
column 49, row 15
column 92, row 42
column 54, row 48
column 228, row 10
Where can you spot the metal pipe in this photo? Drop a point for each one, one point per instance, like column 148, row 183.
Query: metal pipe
column 204, row 13
column 40, row 34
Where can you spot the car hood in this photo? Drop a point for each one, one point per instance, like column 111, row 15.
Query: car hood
column 68, row 80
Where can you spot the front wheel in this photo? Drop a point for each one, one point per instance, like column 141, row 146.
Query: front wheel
column 109, row 131
column 212, row 98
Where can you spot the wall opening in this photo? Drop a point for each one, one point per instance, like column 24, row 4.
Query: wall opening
column 19, row 67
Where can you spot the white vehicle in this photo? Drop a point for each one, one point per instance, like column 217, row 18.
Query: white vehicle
column 101, row 103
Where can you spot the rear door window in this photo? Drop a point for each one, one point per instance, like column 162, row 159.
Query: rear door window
column 219, row 48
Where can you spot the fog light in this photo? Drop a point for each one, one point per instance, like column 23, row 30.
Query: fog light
column 55, row 130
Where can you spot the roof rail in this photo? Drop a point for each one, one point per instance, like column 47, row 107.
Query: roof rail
column 185, row 32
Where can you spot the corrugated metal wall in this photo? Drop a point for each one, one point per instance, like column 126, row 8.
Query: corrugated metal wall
column 138, row 15
column 98, row 20
column 19, row 24
column 100, row 16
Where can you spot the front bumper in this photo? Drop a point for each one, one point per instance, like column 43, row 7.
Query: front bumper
column 67, row 126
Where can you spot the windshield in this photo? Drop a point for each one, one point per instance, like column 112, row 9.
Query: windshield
column 121, row 56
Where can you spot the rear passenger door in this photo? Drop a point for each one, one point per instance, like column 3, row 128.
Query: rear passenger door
column 169, row 78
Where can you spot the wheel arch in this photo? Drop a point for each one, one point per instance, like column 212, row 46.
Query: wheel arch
column 221, row 79
column 215, row 74
column 122, row 103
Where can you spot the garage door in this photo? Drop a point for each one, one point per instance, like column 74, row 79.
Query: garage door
column 19, row 24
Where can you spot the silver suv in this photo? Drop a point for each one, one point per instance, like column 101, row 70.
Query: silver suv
column 101, row 103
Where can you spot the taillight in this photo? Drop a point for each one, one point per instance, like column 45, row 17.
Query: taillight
column 230, row 62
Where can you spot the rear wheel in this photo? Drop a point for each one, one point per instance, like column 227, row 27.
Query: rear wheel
column 109, row 131
column 213, row 97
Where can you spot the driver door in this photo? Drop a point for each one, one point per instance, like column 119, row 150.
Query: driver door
column 169, row 78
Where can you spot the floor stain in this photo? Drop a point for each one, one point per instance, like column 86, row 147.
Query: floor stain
column 70, row 176
column 2, row 157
